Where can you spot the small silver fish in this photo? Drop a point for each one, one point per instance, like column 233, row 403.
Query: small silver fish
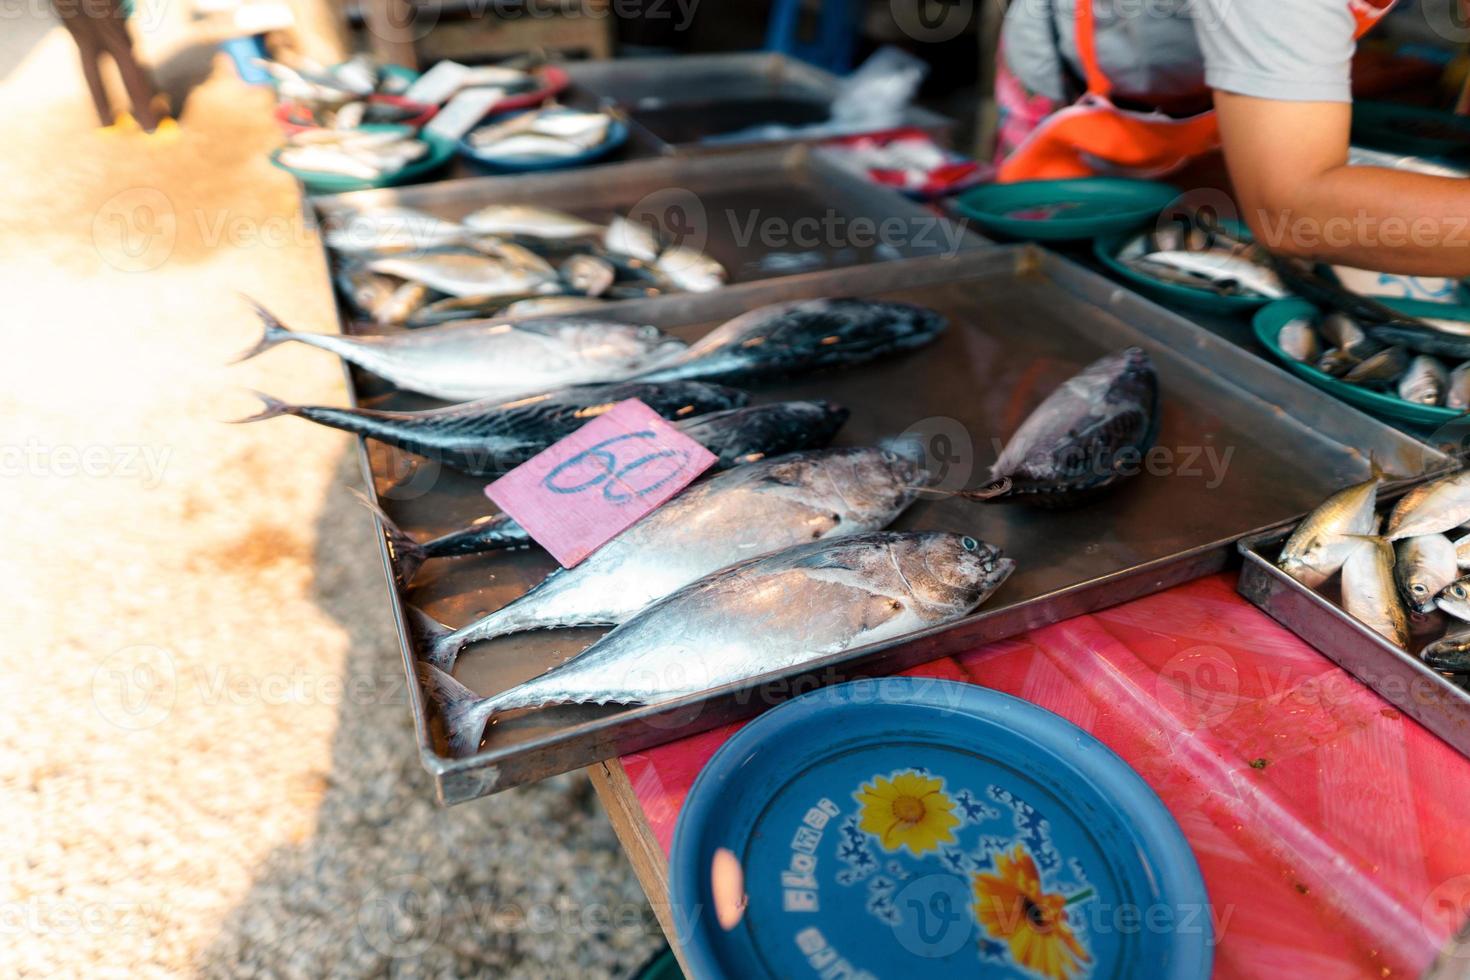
column 389, row 229
column 1462, row 550
column 690, row 269
column 462, row 273
column 1381, row 370
column 748, row 511
column 493, row 358
column 1425, row 382
column 1369, row 593
column 1431, row 508
column 1422, row 567
column 550, row 305
column 768, row 614
column 1342, row 331
column 1337, row 362
column 406, row 299
column 588, row 274
column 1299, row 340
column 1223, row 267
column 529, row 221
column 1321, row 543
column 627, row 237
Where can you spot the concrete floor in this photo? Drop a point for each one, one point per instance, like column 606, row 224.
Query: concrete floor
column 206, row 764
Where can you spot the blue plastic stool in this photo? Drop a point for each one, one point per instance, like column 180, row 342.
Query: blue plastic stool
column 838, row 23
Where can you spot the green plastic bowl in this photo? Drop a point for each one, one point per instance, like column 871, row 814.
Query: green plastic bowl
column 1409, row 130
column 440, row 151
column 1106, row 250
column 1065, row 210
column 1385, row 405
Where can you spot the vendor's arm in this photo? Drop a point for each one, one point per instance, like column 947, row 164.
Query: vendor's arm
column 1288, row 162
column 1281, row 72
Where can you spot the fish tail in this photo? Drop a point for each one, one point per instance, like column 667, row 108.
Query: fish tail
column 408, row 554
column 463, row 712
column 273, row 407
column 438, row 644
column 275, row 332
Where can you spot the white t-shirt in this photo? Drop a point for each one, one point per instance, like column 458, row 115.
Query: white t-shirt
column 1171, row 50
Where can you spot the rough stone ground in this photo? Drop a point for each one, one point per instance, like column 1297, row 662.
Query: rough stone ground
column 206, row 765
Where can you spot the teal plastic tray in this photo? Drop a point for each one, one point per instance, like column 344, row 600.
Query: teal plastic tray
column 1106, row 250
column 440, row 151
column 1065, row 210
column 1385, row 405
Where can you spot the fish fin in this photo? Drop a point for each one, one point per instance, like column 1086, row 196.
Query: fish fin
column 274, row 407
column 408, row 554
column 275, row 332
column 438, row 643
column 463, row 712
column 1375, row 471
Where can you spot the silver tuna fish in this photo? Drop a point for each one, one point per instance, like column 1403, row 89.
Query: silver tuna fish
column 1422, row 567
column 1321, row 543
column 492, row 358
column 1431, row 508
column 748, row 511
column 762, row 615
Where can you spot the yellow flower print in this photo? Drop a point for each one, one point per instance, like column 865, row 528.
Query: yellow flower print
column 908, row 810
column 1010, row 905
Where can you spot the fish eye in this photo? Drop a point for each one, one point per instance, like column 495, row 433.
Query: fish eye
column 970, row 544
column 648, row 331
column 1419, row 588
column 1458, row 591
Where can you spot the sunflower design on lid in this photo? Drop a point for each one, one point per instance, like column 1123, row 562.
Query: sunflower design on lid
column 1010, row 905
column 907, row 809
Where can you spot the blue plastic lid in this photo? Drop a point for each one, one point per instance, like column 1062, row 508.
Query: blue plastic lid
column 883, row 827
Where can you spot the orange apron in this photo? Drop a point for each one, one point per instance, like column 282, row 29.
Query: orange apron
column 1095, row 136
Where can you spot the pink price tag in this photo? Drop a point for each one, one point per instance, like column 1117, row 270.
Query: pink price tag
column 577, row 495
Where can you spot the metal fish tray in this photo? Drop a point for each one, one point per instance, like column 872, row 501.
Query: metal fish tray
column 764, row 213
column 1021, row 321
column 675, row 103
column 1436, row 701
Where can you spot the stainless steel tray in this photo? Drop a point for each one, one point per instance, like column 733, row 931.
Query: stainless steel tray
column 674, row 102
column 1434, row 700
column 1021, row 320
column 763, row 213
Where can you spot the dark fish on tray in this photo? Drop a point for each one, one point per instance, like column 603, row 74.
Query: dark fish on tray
column 492, row 358
column 1422, row 567
column 1086, row 436
column 741, row 513
column 737, row 436
column 1425, row 382
column 1381, row 370
column 1369, row 593
column 791, row 338
column 492, row 436
column 762, row 615
column 1450, row 653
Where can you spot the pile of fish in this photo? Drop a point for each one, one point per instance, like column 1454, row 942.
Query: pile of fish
column 365, row 154
column 400, row 266
column 1202, row 257
column 550, row 132
column 1397, row 579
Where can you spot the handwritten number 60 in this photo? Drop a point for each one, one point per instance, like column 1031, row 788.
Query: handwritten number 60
column 613, row 471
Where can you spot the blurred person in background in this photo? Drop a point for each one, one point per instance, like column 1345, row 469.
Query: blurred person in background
column 1139, row 89
column 101, row 27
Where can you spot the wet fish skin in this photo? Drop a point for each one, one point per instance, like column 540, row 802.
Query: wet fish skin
column 762, row 615
column 389, row 229
column 790, row 338
column 1322, row 542
column 1457, row 393
column 1223, row 267
column 1084, row 437
column 1422, row 338
column 589, row 275
column 500, row 359
column 624, row 236
column 744, row 512
column 690, row 270
column 1425, row 382
column 1455, row 598
column 1450, row 653
column 1462, row 550
column 1342, row 331
column 1422, row 567
column 1431, row 508
column 530, row 221
column 1369, row 592
column 471, row 273
column 492, row 436
column 402, row 304
column 1299, row 340
column 1381, row 370
column 1337, row 362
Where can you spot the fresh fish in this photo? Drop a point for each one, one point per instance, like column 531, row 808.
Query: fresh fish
column 389, row 230
column 1368, row 590
column 1223, row 267
column 1423, row 338
column 1431, row 508
column 1450, row 653
column 1422, row 567
column 1342, row 331
column 404, row 302
column 367, row 293
column 1085, row 436
column 1381, row 370
column 741, row 513
column 625, row 236
column 737, row 436
column 463, row 273
column 533, row 146
column 519, row 256
column 1337, row 362
column 493, row 358
column 1425, row 382
column 452, row 308
column 529, row 221
column 588, row 274
column 1462, row 550
column 1321, row 543
column 789, row 338
column 493, row 436
column 690, row 270
column 1455, row 598
column 550, row 305
column 771, row 613
column 363, row 154
column 1457, row 394
column 1299, row 339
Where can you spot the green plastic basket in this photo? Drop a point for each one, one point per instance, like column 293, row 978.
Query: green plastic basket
column 1385, row 405
column 1106, row 250
column 1065, row 210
